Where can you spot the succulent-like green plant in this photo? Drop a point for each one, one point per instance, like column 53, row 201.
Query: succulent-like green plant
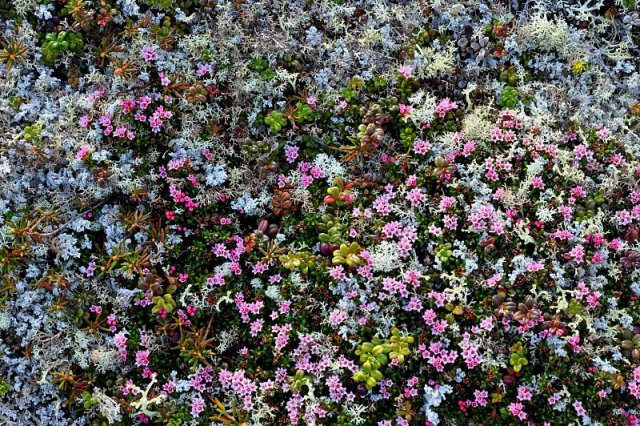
column 631, row 345
column 443, row 169
column 333, row 233
column 377, row 353
column 588, row 207
column 373, row 355
column 299, row 380
column 399, row 345
column 32, row 132
column 233, row 418
column 444, row 252
column 88, row 400
column 348, row 254
column 165, row 302
column 261, row 66
column 276, row 121
column 303, row 112
column 5, row 388
column 338, row 193
column 518, row 359
column 63, row 41
column 407, row 136
column 302, row 260
column 510, row 97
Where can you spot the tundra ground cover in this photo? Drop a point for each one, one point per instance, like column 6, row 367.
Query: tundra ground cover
column 319, row 212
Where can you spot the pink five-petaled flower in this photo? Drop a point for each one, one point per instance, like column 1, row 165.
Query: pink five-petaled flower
column 149, row 53
column 312, row 101
column 524, row 394
column 416, row 197
column 405, row 71
column 517, row 409
column 142, row 358
column 203, row 70
column 83, row 153
column 534, row 266
column 197, row 407
column 337, row 317
column 421, row 147
column 405, row 110
column 291, row 153
column 537, row 182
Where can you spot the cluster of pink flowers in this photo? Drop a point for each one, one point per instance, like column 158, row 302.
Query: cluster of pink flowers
column 240, row 384
column 445, row 106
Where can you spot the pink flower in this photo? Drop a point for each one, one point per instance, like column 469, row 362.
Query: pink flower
column 317, row 173
column 291, row 152
column 84, row 121
column 468, row 148
column 312, row 101
column 481, row 397
column 615, row 244
column 445, row 106
column 623, row 217
column 416, row 197
column 105, row 120
column 494, row 280
column 577, row 254
column 421, row 147
column 405, row 110
column 392, row 229
column 306, row 181
column 256, row 327
column 197, row 407
column 487, row 324
column 164, row 80
column 579, row 409
column 603, row 133
column 144, row 102
column 259, row 268
column 537, row 182
column 524, row 394
column 405, row 71
column 496, row 134
column 217, row 280
column 516, row 409
column 435, row 230
column 83, row 153
column 450, row 221
column 120, row 340
column 203, row 70
column 142, row 358
column 534, row 266
column 149, row 54
column 337, row 317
